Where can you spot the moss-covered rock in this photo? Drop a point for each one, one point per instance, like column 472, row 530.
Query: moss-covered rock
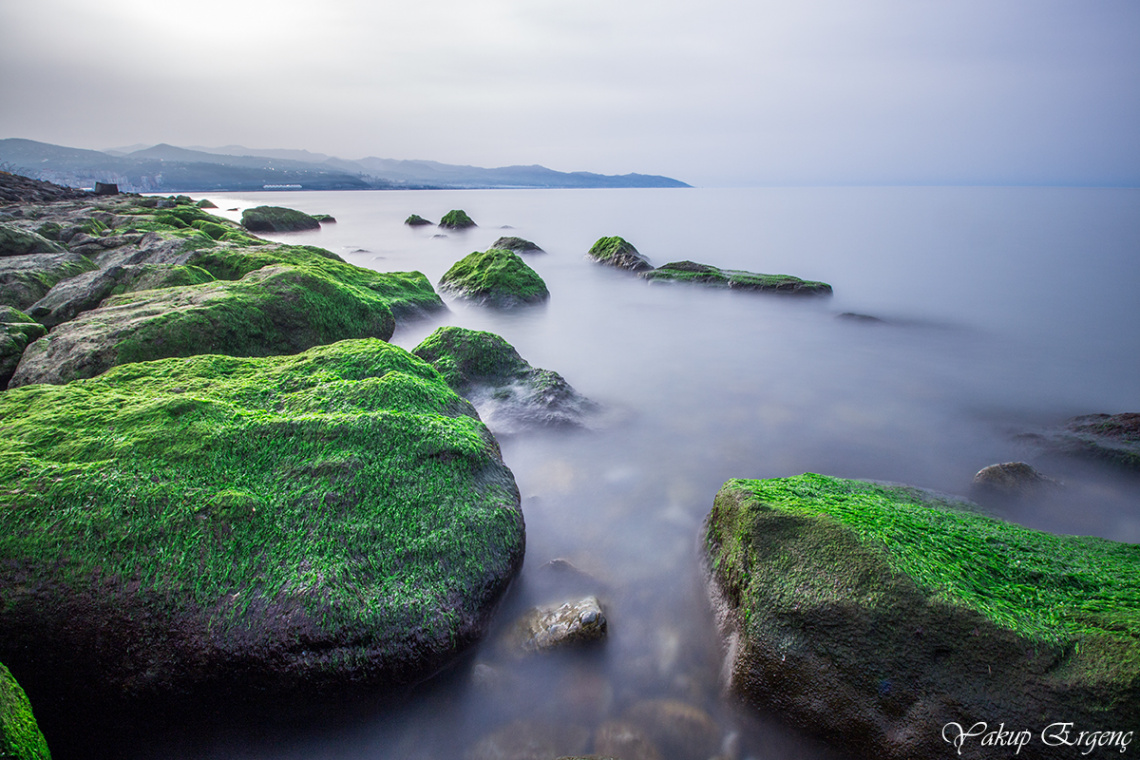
column 495, row 278
column 877, row 615
column 26, row 279
column 1111, row 438
column 415, row 220
column 516, row 244
column 273, row 310
column 17, row 331
column 206, row 203
column 277, row 219
column 509, row 393
column 259, row 531
column 456, row 219
column 18, row 242
column 737, row 279
column 20, row 736
column 618, row 252
column 325, row 218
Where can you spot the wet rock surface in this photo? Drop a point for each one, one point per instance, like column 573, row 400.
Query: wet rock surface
column 620, row 253
column 735, row 279
column 556, row 626
column 516, row 244
column 1010, row 480
column 509, row 393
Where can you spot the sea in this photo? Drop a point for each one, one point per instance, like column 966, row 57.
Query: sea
column 984, row 315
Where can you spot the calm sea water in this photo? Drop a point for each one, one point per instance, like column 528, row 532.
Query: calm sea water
column 1005, row 310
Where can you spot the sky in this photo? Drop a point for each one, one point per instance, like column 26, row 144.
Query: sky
column 712, row 92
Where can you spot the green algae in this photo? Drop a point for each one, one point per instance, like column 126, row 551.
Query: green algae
column 456, row 219
column 689, row 271
column 497, row 277
column 347, row 484
column 415, row 220
column 1070, row 594
column 17, row 242
column 618, row 252
column 20, row 736
column 465, row 357
column 277, row 219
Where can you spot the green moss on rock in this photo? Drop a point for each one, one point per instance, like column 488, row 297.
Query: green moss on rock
column 248, row 529
column 496, row 278
column 456, row 219
column 415, row 220
column 277, row 219
column 618, row 252
column 26, row 279
column 737, row 279
column 17, row 331
column 19, row 242
column 875, row 615
column 516, row 244
column 20, row 737
column 273, row 310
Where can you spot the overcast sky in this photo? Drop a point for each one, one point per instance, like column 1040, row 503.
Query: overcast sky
column 713, row 92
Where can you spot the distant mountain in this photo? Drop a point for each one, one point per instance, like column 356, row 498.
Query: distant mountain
column 169, row 168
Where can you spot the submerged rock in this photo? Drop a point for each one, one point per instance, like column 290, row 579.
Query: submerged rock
column 556, row 626
column 456, row 219
column 876, row 615
column 1110, row 437
column 509, row 393
column 20, row 736
column 495, row 278
column 277, row 219
column 617, row 738
column 677, row 728
column 737, row 279
column 247, row 532
column 516, row 244
column 1010, row 480
column 617, row 252
column 530, row 740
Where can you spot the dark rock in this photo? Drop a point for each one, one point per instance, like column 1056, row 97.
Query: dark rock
column 277, row 219
column 516, row 244
column 497, row 278
column 874, row 616
column 415, row 220
column 18, row 242
column 20, row 736
column 456, row 219
column 247, row 533
column 106, row 188
column 736, row 279
column 557, row 626
column 1010, row 480
column 509, row 393
column 866, row 319
column 325, row 218
column 617, row 252
column 1111, row 437
column 15, row 188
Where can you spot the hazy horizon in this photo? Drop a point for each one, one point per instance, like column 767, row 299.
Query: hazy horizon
column 883, row 92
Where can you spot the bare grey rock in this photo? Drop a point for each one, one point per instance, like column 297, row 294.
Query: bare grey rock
column 550, row 627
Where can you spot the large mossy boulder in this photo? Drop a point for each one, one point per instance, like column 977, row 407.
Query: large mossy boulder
column 456, row 219
column 273, row 310
column 509, row 393
column 496, row 277
column 876, row 616
column 20, row 736
column 277, row 219
column 618, row 252
column 18, row 242
column 246, row 532
column 736, row 279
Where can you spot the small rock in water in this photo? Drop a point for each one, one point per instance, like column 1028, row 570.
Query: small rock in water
column 554, row 626
column 618, row 738
column 530, row 740
column 1010, row 480
column 677, row 728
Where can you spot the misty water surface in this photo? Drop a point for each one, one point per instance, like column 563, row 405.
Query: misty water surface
column 1005, row 311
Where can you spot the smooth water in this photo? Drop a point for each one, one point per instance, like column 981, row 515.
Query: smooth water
column 1005, row 310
